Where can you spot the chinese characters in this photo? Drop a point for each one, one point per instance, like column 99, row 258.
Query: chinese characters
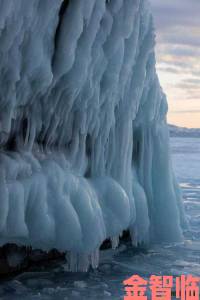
column 161, row 288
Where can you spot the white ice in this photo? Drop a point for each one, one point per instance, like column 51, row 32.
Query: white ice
column 83, row 134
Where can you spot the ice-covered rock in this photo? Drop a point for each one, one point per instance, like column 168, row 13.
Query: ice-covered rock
column 83, row 134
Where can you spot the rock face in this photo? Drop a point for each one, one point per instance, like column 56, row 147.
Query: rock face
column 15, row 259
column 83, row 134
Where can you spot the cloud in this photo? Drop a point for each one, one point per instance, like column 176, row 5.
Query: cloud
column 177, row 21
column 184, row 112
column 188, row 86
column 177, row 25
column 193, row 81
column 176, row 13
column 168, row 69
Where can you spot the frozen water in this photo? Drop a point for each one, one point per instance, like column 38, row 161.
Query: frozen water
column 117, row 265
column 187, row 172
column 83, row 134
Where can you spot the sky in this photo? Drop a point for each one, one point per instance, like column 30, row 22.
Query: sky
column 177, row 25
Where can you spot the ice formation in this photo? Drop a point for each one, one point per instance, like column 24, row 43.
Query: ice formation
column 83, row 134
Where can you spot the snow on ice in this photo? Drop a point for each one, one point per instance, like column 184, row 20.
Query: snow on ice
column 83, row 134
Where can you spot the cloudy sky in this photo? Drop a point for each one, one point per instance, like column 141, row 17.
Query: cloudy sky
column 178, row 57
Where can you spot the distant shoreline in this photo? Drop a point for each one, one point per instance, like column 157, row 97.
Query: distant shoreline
column 176, row 131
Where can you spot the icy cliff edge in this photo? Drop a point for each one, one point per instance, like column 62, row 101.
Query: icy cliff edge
column 83, row 135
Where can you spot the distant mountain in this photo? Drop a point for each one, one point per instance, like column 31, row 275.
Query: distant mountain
column 176, row 131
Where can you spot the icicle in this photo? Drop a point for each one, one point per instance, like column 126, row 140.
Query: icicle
column 77, row 262
column 115, row 242
column 83, row 262
column 95, row 259
column 4, row 201
column 72, row 262
column 134, row 239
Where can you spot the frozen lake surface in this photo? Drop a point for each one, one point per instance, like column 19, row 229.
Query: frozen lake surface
column 116, row 266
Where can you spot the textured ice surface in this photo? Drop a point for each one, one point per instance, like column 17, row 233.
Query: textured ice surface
column 84, row 142
column 106, row 282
